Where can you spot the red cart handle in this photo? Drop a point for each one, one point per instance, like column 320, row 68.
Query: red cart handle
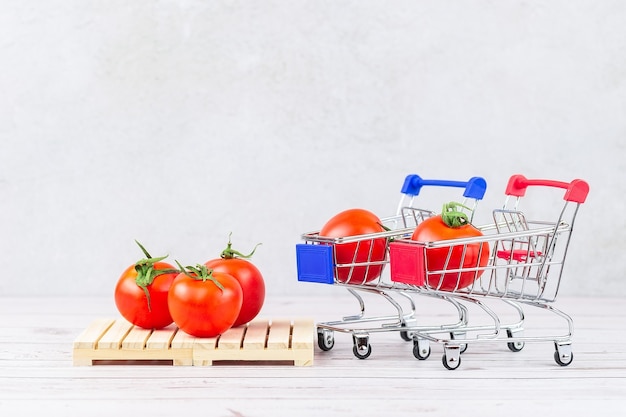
column 576, row 191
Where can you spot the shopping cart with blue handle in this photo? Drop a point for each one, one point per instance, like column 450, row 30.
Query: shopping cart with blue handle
column 317, row 262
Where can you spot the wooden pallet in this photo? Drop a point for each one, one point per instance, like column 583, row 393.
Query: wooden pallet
column 275, row 341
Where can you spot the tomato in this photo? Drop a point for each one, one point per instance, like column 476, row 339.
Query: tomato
column 250, row 278
column 476, row 254
column 355, row 222
column 204, row 303
column 141, row 292
column 251, row 281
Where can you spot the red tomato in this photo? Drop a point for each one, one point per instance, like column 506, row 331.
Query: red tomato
column 476, row 254
column 354, row 222
column 237, row 264
column 141, row 292
column 205, row 303
column 251, row 281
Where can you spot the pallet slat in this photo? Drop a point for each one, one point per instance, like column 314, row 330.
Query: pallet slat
column 256, row 335
column 90, row 337
column 278, row 337
column 262, row 340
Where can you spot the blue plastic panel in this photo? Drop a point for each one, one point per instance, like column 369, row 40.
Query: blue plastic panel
column 315, row 263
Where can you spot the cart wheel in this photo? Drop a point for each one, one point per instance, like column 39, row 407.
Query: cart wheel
column 325, row 339
column 405, row 335
column 463, row 345
column 421, row 352
column 563, row 354
column 450, row 363
column 362, row 352
column 362, row 348
column 451, row 357
column 562, row 362
column 514, row 346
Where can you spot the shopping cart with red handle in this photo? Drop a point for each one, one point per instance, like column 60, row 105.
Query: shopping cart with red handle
column 317, row 262
column 524, row 268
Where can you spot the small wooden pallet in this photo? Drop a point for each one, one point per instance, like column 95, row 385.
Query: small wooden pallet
column 116, row 341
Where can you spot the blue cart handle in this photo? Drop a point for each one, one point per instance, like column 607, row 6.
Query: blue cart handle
column 475, row 187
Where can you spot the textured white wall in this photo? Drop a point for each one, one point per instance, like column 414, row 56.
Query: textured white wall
column 177, row 122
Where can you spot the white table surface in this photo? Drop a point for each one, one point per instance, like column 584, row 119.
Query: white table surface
column 37, row 375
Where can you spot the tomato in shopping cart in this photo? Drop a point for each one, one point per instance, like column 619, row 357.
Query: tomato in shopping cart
column 465, row 259
column 366, row 250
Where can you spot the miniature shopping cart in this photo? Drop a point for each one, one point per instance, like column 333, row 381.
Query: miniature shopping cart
column 524, row 268
column 317, row 263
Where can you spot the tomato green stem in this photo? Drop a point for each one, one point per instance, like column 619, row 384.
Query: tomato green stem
column 452, row 216
column 230, row 253
column 387, row 229
column 145, row 252
column 200, row 273
column 146, row 272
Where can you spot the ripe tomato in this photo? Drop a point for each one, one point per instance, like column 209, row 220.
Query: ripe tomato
column 354, row 222
column 440, row 227
column 204, row 303
column 233, row 263
column 141, row 292
column 251, row 281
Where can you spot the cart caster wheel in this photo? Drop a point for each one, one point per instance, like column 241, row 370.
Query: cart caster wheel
column 560, row 361
column 421, row 352
column 362, row 348
column 406, row 335
column 514, row 346
column 563, row 355
column 362, row 352
column 325, row 339
column 451, row 357
column 464, row 345
column 451, row 364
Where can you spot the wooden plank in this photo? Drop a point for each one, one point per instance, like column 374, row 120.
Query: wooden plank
column 182, row 348
column 232, row 338
column 136, row 338
column 302, row 341
column 279, row 334
column 90, row 337
column 162, row 338
column 182, row 340
column 302, row 334
column 88, row 341
column 256, row 334
column 115, row 335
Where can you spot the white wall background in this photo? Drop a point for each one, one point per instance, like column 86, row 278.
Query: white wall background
column 177, row 122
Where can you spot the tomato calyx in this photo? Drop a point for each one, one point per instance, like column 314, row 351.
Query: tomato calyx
column 452, row 216
column 386, row 229
column 200, row 273
column 230, row 253
column 146, row 272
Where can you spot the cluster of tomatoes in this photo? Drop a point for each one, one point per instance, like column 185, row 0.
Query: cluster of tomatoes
column 203, row 300
column 363, row 259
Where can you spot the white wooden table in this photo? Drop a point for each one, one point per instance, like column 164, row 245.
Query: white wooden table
column 37, row 375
